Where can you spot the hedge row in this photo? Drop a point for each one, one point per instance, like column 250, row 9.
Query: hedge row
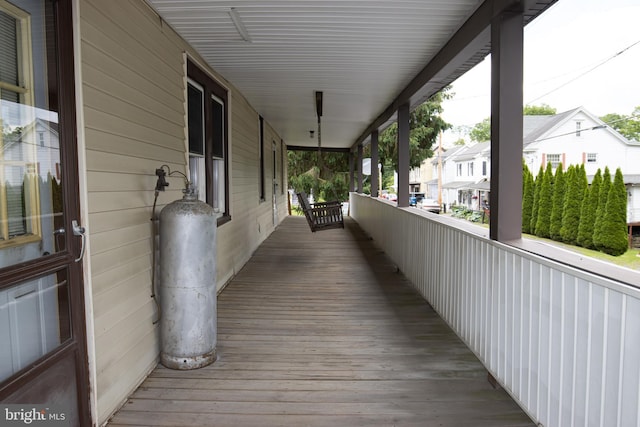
column 564, row 207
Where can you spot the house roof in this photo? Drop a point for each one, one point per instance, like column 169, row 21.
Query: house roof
column 547, row 126
column 455, row 185
column 368, row 57
column 472, row 151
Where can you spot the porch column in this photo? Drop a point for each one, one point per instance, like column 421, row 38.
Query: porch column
column 403, row 155
column 351, row 178
column 506, row 126
column 359, row 168
column 374, row 164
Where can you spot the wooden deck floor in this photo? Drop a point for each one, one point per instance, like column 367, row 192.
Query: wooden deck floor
column 320, row 330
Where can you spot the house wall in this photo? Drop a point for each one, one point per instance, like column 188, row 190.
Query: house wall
column 611, row 150
column 133, row 84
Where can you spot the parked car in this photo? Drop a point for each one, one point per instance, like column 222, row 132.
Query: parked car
column 415, row 198
column 430, row 205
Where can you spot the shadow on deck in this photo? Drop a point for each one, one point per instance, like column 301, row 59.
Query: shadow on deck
column 319, row 329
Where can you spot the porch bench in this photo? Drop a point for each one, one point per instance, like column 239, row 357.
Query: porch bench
column 322, row 215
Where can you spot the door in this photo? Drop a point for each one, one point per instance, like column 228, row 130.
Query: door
column 43, row 358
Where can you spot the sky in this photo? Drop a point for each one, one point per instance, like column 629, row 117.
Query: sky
column 577, row 53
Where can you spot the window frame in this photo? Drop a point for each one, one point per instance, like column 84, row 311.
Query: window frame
column 24, row 91
column 554, row 164
column 213, row 92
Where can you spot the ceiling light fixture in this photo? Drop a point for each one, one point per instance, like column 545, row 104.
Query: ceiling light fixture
column 242, row 30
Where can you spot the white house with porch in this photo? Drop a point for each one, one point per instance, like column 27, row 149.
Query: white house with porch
column 573, row 137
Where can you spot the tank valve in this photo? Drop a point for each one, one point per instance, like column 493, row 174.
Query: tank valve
column 161, row 183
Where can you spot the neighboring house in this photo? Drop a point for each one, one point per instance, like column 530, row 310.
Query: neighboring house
column 465, row 170
column 573, row 137
column 578, row 137
column 448, row 174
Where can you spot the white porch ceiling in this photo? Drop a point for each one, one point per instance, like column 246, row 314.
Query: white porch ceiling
column 361, row 53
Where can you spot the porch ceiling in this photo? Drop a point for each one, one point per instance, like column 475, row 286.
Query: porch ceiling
column 365, row 55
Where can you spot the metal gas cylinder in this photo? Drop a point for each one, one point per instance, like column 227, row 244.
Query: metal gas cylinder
column 188, row 283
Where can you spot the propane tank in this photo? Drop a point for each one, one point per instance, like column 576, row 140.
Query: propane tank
column 188, row 283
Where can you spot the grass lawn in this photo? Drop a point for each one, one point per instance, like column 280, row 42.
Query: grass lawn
column 630, row 259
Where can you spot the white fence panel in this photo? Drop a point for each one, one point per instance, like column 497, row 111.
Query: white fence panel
column 563, row 342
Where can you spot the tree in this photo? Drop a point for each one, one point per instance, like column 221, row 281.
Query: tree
column 557, row 205
column 576, row 184
column 603, row 194
column 481, row 131
column 330, row 183
column 614, row 239
column 588, row 212
column 536, row 200
column 628, row 126
column 538, row 110
column 543, row 222
column 425, row 124
column 527, row 197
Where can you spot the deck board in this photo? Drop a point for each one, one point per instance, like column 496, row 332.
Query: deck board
column 319, row 329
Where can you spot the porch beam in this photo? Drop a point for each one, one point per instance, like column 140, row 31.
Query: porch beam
column 506, row 126
column 403, row 155
column 467, row 47
column 322, row 149
column 375, row 159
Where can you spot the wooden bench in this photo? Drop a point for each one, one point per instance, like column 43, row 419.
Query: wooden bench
column 321, row 216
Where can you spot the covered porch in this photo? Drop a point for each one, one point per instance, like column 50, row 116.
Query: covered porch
column 324, row 329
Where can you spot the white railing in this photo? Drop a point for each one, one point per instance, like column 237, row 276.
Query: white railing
column 563, row 342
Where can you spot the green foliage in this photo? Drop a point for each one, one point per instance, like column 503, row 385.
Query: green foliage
column 536, row 200
column 543, row 222
column 330, row 183
column 527, row 198
column 614, row 240
column 538, row 110
column 628, row 126
column 481, row 131
column 425, row 124
column 588, row 212
column 600, row 210
column 557, row 206
column 576, row 185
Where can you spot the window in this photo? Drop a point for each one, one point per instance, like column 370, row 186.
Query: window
column 19, row 192
column 484, row 168
column 470, row 169
column 208, row 140
column 554, row 159
column 592, row 157
column 578, row 127
column 459, row 172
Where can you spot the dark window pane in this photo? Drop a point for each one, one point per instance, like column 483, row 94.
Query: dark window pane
column 196, row 120
column 217, row 111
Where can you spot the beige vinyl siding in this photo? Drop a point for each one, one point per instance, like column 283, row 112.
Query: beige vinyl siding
column 133, row 87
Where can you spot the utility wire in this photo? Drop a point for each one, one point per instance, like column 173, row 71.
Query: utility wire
column 586, row 72
column 603, row 126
